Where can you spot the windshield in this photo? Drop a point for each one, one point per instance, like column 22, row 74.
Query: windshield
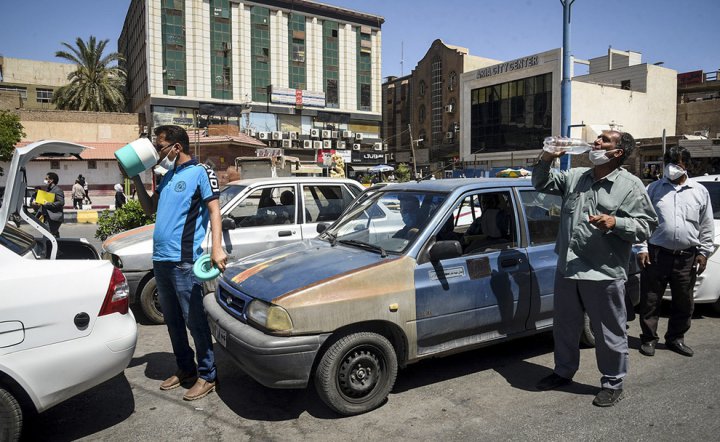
column 387, row 220
column 227, row 193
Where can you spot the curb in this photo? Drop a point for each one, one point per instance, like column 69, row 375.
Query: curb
column 89, row 216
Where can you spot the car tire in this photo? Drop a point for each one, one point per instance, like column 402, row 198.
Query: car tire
column 715, row 307
column 587, row 337
column 356, row 373
column 149, row 303
column 11, row 417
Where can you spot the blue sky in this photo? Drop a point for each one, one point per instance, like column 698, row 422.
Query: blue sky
column 682, row 34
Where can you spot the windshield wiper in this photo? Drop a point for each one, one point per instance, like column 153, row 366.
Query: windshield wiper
column 332, row 237
column 365, row 245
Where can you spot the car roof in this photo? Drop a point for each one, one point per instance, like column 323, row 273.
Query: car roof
column 706, row 178
column 291, row 179
column 452, row 184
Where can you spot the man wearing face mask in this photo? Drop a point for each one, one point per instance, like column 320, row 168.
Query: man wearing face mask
column 53, row 212
column 409, row 208
column 676, row 252
column 185, row 200
column 605, row 210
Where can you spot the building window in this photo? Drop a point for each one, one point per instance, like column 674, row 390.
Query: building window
column 452, row 81
column 331, row 63
column 421, row 114
column 436, row 99
column 625, row 84
column 260, row 51
column 54, row 164
column 297, row 68
column 44, row 95
column 221, row 49
column 364, row 71
column 421, row 88
column 173, row 47
column 515, row 115
column 92, row 164
column 21, row 90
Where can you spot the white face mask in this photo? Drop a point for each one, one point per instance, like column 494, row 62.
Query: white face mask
column 46, row 182
column 599, row 157
column 673, row 171
column 168, row 164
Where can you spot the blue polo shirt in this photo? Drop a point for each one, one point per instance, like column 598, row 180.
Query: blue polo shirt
column 182, row 215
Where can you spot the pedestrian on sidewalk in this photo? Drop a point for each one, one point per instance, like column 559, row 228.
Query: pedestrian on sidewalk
column 78, row 195
column 186, row 199
column 605, row 211
column 52, row 212
column 120, row 198
column 676, row 253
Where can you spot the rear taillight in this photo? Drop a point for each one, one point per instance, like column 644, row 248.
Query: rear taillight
column 116, row 298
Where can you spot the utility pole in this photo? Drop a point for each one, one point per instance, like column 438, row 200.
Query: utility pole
column 565, row 91
column 412, row 148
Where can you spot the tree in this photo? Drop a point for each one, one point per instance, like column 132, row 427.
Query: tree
column 402, row 173
column 95, row 85
column 11, row 132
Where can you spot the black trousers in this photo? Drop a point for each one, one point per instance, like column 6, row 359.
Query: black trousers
column 665, row 268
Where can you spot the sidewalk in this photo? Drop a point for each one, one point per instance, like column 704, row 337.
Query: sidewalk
column 90, row 212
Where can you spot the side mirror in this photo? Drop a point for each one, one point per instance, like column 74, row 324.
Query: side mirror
column 445, row 250
column 321, row 227
column 228, row 223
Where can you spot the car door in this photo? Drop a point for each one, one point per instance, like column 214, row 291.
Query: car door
column 322, row 203
column 481, row 295
column 262, row 221
column 542, row 215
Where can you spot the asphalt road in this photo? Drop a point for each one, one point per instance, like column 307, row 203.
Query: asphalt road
column 487, row 394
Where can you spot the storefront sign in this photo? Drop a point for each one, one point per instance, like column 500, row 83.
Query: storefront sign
column 520, row 63
column 368, row 157
column 297, row 97
column 268, row 152
column 324, row 156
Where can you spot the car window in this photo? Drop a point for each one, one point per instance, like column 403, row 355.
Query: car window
column 267, row 206
column 227, row 193
column 542, row 212
column 493, row 223
column 16, row 240
column 713, row 188
column 325, row 203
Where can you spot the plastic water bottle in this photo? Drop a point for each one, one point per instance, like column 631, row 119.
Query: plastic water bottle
column 572, row 146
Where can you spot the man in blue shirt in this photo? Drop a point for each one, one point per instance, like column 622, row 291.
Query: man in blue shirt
column 677, row 251
column 185, row 200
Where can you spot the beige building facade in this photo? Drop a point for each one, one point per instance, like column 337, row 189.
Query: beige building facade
column 30, row 84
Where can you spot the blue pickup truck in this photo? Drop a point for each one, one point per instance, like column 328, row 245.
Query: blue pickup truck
column 413, row 270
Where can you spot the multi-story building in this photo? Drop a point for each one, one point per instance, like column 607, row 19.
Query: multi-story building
column 424, row 105
column 509, row 108
column 30, row 84
column 300, row 75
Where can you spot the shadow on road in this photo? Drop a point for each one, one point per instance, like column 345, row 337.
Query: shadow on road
column 99, row 408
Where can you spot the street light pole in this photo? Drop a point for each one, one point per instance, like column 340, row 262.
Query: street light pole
column 565, row 91
column 412, row 148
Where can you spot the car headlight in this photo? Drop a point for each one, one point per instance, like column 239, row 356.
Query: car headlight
column 269, row 316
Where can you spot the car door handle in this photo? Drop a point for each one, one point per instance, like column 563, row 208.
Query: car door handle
column 512, row 262
column 285, row 233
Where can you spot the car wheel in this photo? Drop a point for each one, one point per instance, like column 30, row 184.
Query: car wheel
column 587, row 337
column 356, row 373
column 10, row 417
column 150, row 304
column 715, row 307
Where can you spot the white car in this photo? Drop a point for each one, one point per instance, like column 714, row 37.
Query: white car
column 257, row 214
column 65, row 326
column 707, row 285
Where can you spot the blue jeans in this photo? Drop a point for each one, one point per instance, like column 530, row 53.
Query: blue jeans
column 180, row 295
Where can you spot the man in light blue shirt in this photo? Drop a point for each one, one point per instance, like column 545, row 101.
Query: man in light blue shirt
column 605, row 210
column 677, row 251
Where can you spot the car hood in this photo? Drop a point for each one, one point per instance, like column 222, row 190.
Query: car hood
column 124, row 242
column 283, row 270
column 16, row 184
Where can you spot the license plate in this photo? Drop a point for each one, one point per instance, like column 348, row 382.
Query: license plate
column 219, row 333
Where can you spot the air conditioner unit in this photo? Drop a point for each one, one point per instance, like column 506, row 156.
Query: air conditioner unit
column 327, row 144
column 264, row 135
column 377, row 146
column 341, row 145
column 450, row 135
column 287, row 143
column 315, row 133
column 293, row 135
column 277, row 135
column 326, row 134
column 250, row 132
column 317, row 144
column 359, row 137
column 334, row 134
column 449, row 108
column 356, row 146
column 347, row 134
column 307, row 144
